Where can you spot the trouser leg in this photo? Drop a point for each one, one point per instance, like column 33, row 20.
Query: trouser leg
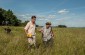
column 34, row 41
column 50, row 42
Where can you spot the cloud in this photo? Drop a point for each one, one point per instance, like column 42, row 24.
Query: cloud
column 40, row 16
column 43, row 19
column 24, row 17
column 51, row 16
column 46, row 16
column 63, row 11
column 58, row 19
column 46, row 19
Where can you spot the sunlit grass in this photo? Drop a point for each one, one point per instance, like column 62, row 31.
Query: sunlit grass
column 67, row 41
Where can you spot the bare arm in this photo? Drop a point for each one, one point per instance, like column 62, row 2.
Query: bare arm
column 41, row 30
column 52, row 32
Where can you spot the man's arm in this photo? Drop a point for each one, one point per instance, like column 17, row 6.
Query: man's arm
column 26, row 31
column 52, row 32
column 27, row 27
column 41, row 30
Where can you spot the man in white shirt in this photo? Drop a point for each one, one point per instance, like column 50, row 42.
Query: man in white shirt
column 47, row 35
column 30, row 31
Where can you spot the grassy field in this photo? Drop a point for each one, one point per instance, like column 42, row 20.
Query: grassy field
column 67, row 41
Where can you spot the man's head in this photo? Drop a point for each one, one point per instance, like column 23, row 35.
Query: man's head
column 33, row 19
column 48, row 24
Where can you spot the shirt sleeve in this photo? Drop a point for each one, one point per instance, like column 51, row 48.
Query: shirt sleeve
column 42, row 28
column 27, row 26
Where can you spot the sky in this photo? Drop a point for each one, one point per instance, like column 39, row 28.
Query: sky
column 58, row 12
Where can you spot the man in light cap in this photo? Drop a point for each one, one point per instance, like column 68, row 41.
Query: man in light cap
column 47, row 34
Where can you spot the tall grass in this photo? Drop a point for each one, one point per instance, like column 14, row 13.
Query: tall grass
column 67, row 41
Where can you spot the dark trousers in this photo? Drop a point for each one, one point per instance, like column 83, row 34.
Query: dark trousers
column 48, row 43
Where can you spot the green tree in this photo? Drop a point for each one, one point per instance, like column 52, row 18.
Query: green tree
column 2, row 18
column 8, row 15
column 62, row 26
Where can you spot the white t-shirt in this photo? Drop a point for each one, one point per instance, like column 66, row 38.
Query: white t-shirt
column 30, row 28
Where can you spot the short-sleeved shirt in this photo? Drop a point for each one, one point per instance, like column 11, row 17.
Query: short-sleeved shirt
column 30, row 28
column 46, row 33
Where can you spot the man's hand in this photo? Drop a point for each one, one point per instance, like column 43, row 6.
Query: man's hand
column 53, row 36
column 26, row 32
column 41, row 31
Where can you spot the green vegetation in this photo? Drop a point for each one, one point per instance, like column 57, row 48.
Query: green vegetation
column 7, row 17
column 67, row 41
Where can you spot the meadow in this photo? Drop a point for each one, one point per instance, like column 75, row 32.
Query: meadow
column 67, row 41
